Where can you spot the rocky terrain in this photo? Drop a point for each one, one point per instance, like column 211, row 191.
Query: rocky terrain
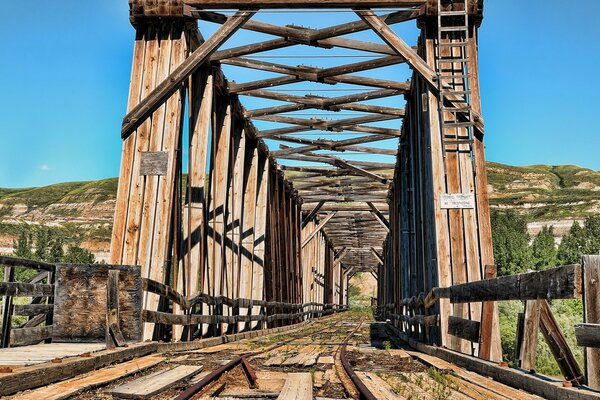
column 82, row 212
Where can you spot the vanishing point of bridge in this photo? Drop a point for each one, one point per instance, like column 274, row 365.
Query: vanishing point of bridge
column 254, row 184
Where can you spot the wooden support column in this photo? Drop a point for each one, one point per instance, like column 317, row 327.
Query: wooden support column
column 200, row 103
column 591, row 315
column 259, row 261
column 143, row 230
column 114, row 337
column 234, row 277
column 217, row 205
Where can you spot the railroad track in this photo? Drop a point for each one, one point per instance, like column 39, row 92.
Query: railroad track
column 342, row 356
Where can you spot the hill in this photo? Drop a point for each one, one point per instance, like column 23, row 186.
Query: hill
column 83, row 211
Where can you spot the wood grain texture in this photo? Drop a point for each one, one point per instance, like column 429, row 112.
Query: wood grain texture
column 81, row 302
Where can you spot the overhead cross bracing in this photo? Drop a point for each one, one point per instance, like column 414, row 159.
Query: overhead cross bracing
column 333, row 125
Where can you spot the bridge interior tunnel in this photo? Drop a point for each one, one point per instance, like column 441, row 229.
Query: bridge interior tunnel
column 269, row 154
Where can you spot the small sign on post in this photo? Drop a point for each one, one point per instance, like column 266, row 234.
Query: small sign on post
column 457, row 200
column 154, row 163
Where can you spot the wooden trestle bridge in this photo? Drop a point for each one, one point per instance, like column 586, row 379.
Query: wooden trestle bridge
column 287, row 193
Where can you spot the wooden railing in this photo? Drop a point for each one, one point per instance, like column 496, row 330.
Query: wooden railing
column 38, row 309
column 269, row 311
column 415, row 316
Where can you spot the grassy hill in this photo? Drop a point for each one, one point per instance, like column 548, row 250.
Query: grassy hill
column 83, row 211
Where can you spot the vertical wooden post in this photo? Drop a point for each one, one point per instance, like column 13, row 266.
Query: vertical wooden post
column 114, row 337
column 143, row 232
column 194, row 219
column 7, row 309
column 591, row 314
column 528, row 346
column 490, row 323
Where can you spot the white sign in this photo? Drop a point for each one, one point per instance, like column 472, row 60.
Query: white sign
column 457, row 200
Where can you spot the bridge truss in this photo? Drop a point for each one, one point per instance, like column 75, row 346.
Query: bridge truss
column 268, row 213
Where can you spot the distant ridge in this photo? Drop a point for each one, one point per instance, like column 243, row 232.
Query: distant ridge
column 83, row 211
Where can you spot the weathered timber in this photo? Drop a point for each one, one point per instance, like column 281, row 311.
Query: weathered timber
column 591, row 315
column 26, row 336
column 166, row 88
column 31, row 310
column 555, row 283
column 588, row 335
column 219, row 4
column 464, row 328
column 25, row 289
column 80, row 306
column 153, row 384
column 528, row 346
column 114, row 337
column 24, row 263
column 559, row 346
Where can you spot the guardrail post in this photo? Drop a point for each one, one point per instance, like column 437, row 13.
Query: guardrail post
column 7, row 309
column 591, row 314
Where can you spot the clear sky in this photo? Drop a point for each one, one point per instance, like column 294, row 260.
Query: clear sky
column 65, row 66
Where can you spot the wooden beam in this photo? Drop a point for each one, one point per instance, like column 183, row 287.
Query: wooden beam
column 415, row 62
column 312, row 214
column 268, row 4
column 588, row 335
column 591, row 315
column 555, row 283
column 464, row 328
column 170, row 85
column 318, row 228
column 380, row 217
column 377, row 255
column 559, row 346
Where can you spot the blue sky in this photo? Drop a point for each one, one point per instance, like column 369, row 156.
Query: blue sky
column 65, row 66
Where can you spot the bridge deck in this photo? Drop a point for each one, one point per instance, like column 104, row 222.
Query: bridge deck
column 42, row 353
column 280, row 363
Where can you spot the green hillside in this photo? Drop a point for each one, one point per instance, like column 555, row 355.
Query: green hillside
column 84, row 210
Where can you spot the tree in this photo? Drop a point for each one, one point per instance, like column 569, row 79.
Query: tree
column 56, row 252
column 511, row 243
column 22, row 246
column 544, row 249
column 573, row 245
column 77, row 255
column 592, row 234
column 42, row 243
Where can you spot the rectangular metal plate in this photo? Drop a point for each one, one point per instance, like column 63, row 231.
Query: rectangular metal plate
column 154, row 163
column 457, row 200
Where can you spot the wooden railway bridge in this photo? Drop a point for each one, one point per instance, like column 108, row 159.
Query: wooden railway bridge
column 247, row 198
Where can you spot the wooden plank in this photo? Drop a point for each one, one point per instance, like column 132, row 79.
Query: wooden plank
column 528, row 347
column 298, row 386
column 31, row 310
column 153, row 384
column 463, row 328
column 25, row 289
column 247, row 267
column 170, row 85
column 591, row 315
column 26, row 336
column 200, row 100
column 73, row 386
column 378, row 387
column 558, row 345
